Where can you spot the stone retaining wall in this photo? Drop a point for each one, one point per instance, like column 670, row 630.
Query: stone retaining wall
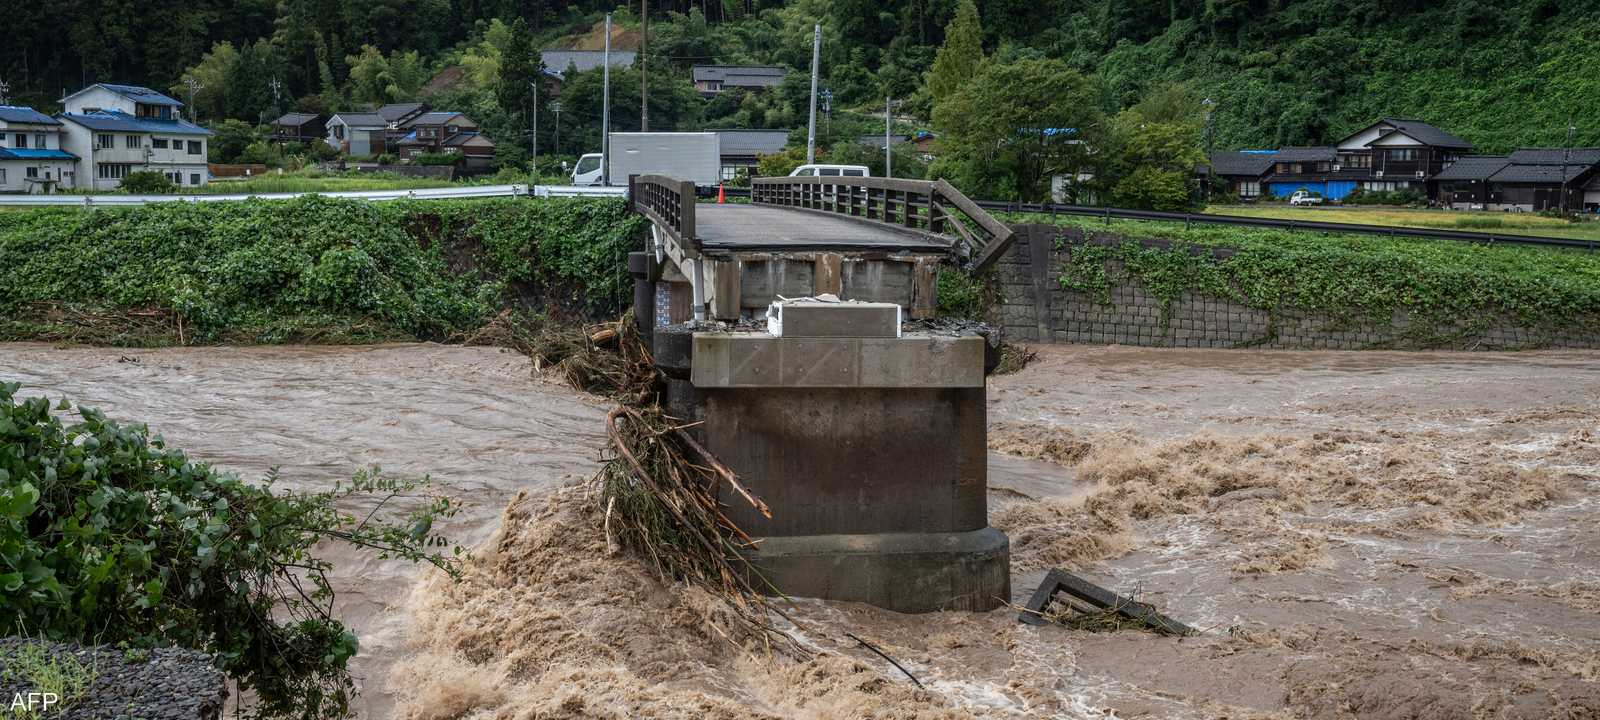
column 112, row 683
column 1033, row 307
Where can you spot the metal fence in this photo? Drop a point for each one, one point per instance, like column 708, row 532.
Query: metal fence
column 1486, row 238
column 446, row 193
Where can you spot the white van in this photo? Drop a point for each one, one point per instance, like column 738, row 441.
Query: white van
column 831, row 171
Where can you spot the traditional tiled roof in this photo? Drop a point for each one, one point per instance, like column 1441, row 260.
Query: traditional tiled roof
column 1556, row 156
column 437, row 117
column 35, row 154
column 362, row 120
column 462, row 138
column 752, row 142
column 118, row 121
column 1547, row 174
column 1425, row 133
column 741, row 75
column 1305, row 154
column 1473, row 167
column 1239, row 162
column 20, row 114
column 396, row 112
column 557, row 62
column 295, row 119
column 138, row 94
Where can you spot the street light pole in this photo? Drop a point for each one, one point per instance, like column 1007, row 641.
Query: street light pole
column 888, row 143
column 605, row 109
column 535, row 87
column 1565, row 159
column 644, row 77
column 1206, row 191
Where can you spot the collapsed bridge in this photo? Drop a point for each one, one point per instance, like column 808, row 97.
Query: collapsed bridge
column 866, row 435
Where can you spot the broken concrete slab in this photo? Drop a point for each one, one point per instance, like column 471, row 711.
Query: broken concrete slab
column 752, row 359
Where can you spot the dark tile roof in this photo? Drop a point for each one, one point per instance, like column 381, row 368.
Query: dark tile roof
column 296, row 119
column 20, row 114
column 1306, row 154
column 118, row 121
column 741, row 75
column 437, row 117
column 557, row 62
column 1473, row 167
column 1426, row 133
column 137, row 93
column 396, row 112
column 362, row 119
column 1238, row 162
column 752, row 142
column 462, row 138
column 1551, row 174
column 1556, row 156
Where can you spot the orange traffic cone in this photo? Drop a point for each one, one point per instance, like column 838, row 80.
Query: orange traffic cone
column 720, row 197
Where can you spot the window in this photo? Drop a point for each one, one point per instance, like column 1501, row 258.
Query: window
column 113, row 171
column 194, row 147
column 828, row 171
column 1402, row 155
column 1249, row 188
column 38, row 141
column 133, row 142
column 1323, row 167
column 32, row 172
column 2, row 176
column 1356, row 160
column 104, row 142
column 22, row 140
column 854, row 172
column 194, row 178
column 158, row 143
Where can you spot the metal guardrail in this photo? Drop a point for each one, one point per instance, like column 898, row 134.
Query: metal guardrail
column 466, row 191
column 932, row 206
column 1333, row 227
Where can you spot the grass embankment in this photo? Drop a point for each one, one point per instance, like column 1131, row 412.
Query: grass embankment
column 1475, row 221
column 313, row 181
column 1359, row 278
column 312, row 269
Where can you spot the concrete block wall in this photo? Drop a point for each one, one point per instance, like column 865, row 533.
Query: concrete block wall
column 1033, row 307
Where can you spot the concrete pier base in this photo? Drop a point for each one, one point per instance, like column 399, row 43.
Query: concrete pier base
column 904, row 572
column 871, row 452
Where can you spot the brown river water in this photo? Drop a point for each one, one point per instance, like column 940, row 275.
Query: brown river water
column 1386, row 535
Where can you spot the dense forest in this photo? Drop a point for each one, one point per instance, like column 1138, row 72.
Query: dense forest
column 1275, row 72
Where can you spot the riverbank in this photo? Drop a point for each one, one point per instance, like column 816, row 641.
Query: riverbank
column 1310, row 511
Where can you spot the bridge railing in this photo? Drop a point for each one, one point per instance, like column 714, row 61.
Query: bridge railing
column 934, row 207
column 667, row 202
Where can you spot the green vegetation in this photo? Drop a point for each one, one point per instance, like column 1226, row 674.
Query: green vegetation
column 109, row 536
column 313, row 269
column 1507, row 223
column 1358, row 279
column 31, row 665
column 146, row 182
column 319, row 181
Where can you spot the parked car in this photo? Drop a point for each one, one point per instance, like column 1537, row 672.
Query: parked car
column 1301, row 197
column 831, row 170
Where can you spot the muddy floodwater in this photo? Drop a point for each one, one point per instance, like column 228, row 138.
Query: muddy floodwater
column 1375, row 535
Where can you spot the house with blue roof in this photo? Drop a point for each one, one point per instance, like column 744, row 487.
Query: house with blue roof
column 439, row 132
column 115, row 130
column 31, row 158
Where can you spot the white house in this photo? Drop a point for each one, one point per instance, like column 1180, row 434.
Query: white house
column 358, row 133
column 118, row 129
column 31, row 158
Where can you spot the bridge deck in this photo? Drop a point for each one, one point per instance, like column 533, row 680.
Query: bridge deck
column 738, row 227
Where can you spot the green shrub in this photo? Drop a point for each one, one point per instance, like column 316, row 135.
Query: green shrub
column 437, row 159
column 284, row 270
column 108, row 536
column 147, row 182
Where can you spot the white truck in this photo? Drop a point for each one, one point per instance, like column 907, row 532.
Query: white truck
column 693, row 156
column 1302, row 197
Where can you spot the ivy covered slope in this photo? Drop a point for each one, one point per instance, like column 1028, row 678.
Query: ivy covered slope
column 305, row 270
column 1357, row 278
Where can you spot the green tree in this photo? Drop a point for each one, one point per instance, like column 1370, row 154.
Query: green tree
column 519, row 69
column 959, row 58
column 1016, row 125
column 231, row 139
column 212, row 74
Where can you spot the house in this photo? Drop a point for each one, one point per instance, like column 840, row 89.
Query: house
column 358, row 133
column 31, row 158
column 710, row 80
column 1544, row 178
column 1306, row 168
column 299, row 127
column 446, row 132
column 1464, row 184
column 398, row 115
column 742, row 149
column 1241, row 171
column 114, row 130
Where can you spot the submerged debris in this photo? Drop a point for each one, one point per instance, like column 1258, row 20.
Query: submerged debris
column 1066, row 599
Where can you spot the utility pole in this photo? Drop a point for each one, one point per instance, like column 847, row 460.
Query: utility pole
column 1565, row 159
column 5, row 93
column 1206, row 190
column 811, row 127
column 605, row 109
column 535, row 86
column 194, row 86
column 888, row 142
column 644, row 76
